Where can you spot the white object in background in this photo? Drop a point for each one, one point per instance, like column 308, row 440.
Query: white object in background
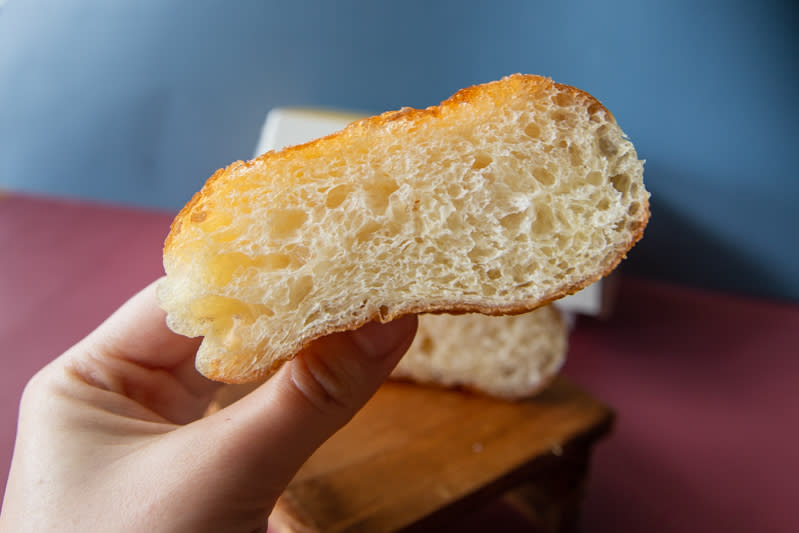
column 291, row 126
column 285, row 126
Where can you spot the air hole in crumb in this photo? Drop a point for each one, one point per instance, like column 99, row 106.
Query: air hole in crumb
column 220, row 313
column 543, row 176
column 481, row 161
column 313, row 317
column 494, row 273
column 544, row 222
column 272, row 262
column 299, row 290
column 285, row 223
column 594, row 178
column 562, row 100
column 199, row 216
column 366, row 232
column 634, row 207
column 532, row 130
column 222, row 267
column 225, row 235
column 576, row 155
column 606, row 145
column 383, row 313
column 481, row 254
column 488, row 290
column 521, row 276
column 378, row 192
column 596, row 109
column 621, row 182
column 560, row 116
column 337, row 195
column 513, row 222
column 603, row 205
column 298, row 255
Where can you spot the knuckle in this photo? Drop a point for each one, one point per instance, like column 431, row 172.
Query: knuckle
column 326, row 385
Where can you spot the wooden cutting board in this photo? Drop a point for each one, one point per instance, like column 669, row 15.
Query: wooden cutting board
column 422, row 456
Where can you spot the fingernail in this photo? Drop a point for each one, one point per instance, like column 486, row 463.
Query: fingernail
column 378, row 340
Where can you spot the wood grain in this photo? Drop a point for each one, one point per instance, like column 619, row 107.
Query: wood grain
column 419, row 456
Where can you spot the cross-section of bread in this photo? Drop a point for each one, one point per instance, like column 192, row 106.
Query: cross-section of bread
column 510, row 357
column 503, row 198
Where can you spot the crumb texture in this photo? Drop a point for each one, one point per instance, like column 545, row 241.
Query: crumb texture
column 510, row 357
column 504, row 197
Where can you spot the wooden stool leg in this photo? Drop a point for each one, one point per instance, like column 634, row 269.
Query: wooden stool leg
column 551, row 499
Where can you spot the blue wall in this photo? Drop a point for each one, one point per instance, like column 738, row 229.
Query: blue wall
column 139, row 102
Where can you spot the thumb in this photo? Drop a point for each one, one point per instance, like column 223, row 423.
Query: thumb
column 270, row 433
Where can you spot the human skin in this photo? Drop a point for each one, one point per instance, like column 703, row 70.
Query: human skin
column 111, row 434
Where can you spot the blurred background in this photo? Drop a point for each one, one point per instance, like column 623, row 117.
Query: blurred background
column 139, row 102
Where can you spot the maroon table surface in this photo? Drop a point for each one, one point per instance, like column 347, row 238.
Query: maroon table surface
column 704, row 383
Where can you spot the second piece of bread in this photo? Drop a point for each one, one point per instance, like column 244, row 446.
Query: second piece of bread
column 510, row 357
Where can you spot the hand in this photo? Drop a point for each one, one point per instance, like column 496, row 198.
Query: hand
column 111, row 435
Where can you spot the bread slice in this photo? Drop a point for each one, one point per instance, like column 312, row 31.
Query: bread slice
column 510, row 357
column 503, row 198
